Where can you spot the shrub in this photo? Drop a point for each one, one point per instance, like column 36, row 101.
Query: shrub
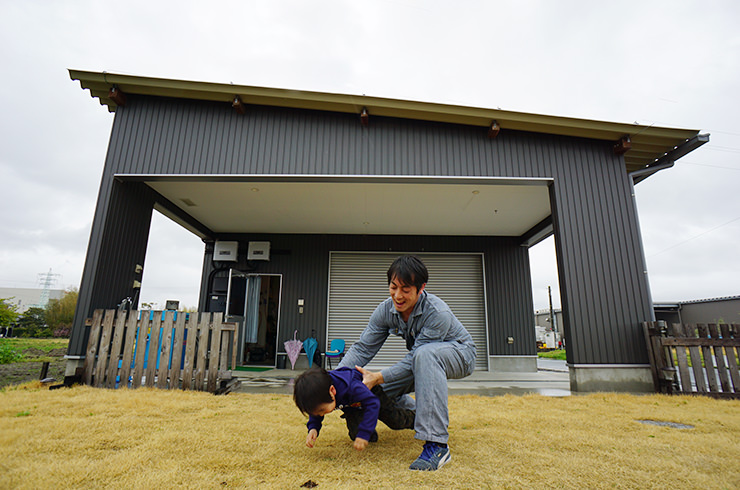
column 8, row 354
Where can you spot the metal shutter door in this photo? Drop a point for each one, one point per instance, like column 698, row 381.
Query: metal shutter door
column 358, row 283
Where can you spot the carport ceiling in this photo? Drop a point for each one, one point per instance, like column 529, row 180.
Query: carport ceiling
column 364, row 205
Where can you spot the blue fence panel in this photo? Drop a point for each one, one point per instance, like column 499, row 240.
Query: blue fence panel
column 159, row 347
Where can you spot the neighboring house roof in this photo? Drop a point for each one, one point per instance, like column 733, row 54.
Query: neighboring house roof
column 669, row 304
column 651, row 145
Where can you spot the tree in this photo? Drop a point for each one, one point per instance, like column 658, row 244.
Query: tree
column 33, row 323
column 8, row 314
column 60, row 313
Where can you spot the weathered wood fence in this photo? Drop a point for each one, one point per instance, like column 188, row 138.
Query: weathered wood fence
column 694, row 359
column 174, row 350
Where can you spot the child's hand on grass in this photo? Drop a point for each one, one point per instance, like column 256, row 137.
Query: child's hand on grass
column 360, row 444
column 311, row 438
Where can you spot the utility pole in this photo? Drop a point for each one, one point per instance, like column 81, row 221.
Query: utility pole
column 552, row 316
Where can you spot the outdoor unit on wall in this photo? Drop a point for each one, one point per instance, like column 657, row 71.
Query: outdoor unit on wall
column 258, row 251
column 226, row 251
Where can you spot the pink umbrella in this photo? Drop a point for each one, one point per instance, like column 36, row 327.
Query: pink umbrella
column 293, row 348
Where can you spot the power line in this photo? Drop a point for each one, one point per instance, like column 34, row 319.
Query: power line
column 725, row 149
column 695, row 236
column 708, row 165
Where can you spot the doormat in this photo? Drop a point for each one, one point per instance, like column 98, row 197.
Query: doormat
column 252, row 368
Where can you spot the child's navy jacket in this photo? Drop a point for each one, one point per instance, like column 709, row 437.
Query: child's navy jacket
column 352, row 394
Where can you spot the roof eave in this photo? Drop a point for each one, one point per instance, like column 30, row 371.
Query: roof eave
column 649, row 143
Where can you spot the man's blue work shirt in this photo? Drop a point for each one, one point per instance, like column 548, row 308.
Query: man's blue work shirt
column 430, row 321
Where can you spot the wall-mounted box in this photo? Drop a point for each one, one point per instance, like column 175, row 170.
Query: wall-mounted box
column 226, row 251
column 258, row 251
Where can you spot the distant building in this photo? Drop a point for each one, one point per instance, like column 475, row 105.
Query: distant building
column 25, row 298
column 712, row 310
column 543, row 321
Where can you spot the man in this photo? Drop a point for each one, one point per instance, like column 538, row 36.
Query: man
column 439, row 349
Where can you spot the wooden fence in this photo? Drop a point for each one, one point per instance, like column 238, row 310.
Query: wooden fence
column 174, row 350
column 694, row 359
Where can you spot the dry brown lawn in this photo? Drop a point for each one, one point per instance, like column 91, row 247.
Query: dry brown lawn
column 94, row 438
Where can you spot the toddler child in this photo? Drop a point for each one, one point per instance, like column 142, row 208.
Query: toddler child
column 318, row 392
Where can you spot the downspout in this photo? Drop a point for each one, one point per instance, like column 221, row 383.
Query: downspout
column 643, row 174
column 637, row 176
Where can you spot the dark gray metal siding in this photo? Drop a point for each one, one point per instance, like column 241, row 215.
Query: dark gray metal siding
column 303, row 261
column 509, row 283
column 601, row 268
column 113, row 253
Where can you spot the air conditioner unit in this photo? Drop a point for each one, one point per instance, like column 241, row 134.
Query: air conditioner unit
column 226, row 251
column 258, row 251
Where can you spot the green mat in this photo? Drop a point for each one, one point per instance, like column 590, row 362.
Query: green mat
column 252, row 368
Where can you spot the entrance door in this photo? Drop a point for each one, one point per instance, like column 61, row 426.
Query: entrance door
column 254, row 301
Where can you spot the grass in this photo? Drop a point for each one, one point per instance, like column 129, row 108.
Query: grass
column 145, row 438
column 726, row 352
column 19, row 345
column 553, row 354
column 45, row 345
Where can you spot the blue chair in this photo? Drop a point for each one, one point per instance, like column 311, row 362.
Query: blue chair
column 336, row 349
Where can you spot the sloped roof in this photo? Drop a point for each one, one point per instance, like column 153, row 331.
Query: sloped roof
column 650, row 144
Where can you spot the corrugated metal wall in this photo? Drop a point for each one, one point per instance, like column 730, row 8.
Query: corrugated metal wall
column 113, row 253
column 603, row 286
column 303, row 262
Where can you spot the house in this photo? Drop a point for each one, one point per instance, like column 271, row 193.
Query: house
column 711, row 310
column 707, row 311
column 303, row 199
column 549, row 324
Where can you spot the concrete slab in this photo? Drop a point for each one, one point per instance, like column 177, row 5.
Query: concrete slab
column 551, row 379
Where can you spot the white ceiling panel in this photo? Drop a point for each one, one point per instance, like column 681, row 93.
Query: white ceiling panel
column 363, row 206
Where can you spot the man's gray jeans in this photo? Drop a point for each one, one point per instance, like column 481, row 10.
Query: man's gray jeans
column 434, row 364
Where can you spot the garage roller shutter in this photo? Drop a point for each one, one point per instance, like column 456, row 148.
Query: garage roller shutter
column 358, row 283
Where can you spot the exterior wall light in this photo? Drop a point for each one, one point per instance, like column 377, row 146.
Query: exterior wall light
column 116, row 95
column 494, row 130
column 238, row 105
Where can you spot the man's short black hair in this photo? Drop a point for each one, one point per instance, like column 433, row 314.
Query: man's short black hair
column 409, row 269
column 311, row 389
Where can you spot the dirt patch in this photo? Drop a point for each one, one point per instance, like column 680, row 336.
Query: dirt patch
column 23, row 372
column 34, row 352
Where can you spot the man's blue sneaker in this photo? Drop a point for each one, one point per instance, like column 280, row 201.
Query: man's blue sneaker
column 433, row 457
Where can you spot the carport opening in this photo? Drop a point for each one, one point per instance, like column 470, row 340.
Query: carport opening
column 172, row 268
column 544, row 273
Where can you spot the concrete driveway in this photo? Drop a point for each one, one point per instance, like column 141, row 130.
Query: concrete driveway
column 550, row 379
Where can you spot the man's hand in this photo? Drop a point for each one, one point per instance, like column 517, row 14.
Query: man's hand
column 311, row 437
column 370, row 378
column 360, row 443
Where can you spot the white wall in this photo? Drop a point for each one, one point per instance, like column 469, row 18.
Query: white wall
column 24, row 298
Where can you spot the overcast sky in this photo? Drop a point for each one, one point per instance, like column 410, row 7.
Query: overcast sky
column 668, row 63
